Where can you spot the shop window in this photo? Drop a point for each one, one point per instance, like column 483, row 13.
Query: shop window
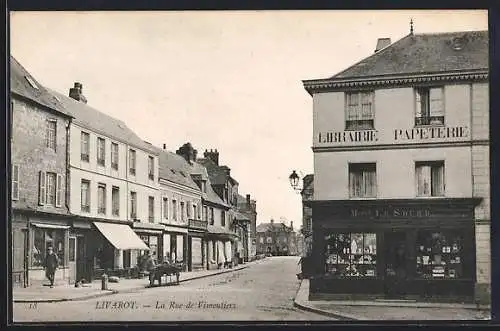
column 42, row 240
column 362, row 180
column 360, row 113
column 351, row 254
column 84, row 146
column 430, row 178
column 72, row 249
column 439, row 255
column 429, row 108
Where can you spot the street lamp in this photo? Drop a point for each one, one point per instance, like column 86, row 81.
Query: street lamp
column 295, row 181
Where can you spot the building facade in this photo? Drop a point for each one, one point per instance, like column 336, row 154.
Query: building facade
column 406, row 213
column 307, row 194
column 276, row 239
column 39, row 143
column 248, row 207
column 113, row 177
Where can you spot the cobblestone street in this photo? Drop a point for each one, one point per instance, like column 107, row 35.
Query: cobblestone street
column 264, row 291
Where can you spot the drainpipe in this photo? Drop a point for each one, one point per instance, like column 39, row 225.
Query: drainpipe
column 68, row 164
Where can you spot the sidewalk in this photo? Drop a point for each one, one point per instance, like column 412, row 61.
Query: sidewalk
column 387, row 310
column 68, row 292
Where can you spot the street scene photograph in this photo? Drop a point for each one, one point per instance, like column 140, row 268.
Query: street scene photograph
column 320, row 165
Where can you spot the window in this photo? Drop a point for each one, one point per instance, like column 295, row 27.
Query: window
column 204, row 186
column 114, row 156
column 223, row 218
column 15, row 182
column 101, row 198
column 43, row 239
column 440, row 255
column 362, row 180
column 199, row 213
column 50, row 189
column 183, row 211
column 195, row 211
column 72, row 249
column 133, row 205
column 151, row 208
column 51, row 134
column 85, row 196
column 115, row 200
column 84, row 146
column 132, row 160
column 429, row 108
column 188, row 210
column 165, row 208
column 151, row 168
column 261, row 240
column 360, row 113
column 205, row 213
column 351, row 254
column 430, row 178
column 174, row 210
column 101, row 152
column 212, row 218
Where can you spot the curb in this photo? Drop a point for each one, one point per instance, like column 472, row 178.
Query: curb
column 130, row 290
column 339, row 316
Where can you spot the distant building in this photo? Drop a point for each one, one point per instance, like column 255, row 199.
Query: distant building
column 276, row 239
column 248, row 207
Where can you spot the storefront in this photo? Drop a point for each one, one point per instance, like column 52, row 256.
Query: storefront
column 394, row 249
column 196, row 243
column 174, row 243
column 152, row 235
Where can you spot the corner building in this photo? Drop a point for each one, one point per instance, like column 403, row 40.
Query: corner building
column 401, row 205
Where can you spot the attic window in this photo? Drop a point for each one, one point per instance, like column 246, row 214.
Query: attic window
column 31, row 81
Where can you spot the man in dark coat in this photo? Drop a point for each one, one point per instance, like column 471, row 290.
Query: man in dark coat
column 150, row 267
column 51, row 264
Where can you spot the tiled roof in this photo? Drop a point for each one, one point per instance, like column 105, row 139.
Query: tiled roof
column 425, row 53
column 175, row 168
column 218, row 173
column 242, row 199
column 210, row 195
column 240, row 216
column 20, row 85
column 264, row 227
column 101, row 123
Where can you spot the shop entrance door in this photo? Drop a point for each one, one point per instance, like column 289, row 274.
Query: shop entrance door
column 396, row 252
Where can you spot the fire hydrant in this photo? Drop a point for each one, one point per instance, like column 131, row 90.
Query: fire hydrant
column 104, row 282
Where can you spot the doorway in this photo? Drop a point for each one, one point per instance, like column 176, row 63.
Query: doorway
column 82, row 271
column 396, row 252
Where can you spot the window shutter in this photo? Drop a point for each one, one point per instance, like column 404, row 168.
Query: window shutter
column 436, row 102
column 59, row 191
column 42, row 192
column 15, row 182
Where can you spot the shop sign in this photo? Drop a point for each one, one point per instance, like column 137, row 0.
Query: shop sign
column 431, row 133
column 347, row 136
column 390, row 212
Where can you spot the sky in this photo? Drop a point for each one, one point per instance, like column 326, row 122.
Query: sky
column 230, row 81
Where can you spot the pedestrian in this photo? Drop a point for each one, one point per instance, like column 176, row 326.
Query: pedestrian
column 150, row 267
column 51, row 264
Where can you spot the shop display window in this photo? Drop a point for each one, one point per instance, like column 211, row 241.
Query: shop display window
column 439, row 255
column 42, row 240
column 351, row 254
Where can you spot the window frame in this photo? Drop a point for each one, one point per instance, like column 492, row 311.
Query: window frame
column 354, row 124
column 133, row 205
column 85, row 208
column 101, row 205
column 436, row 164
column 426, row 120
column 132, row 160
column 101, row 152
column 151, row 209
column 165, row 208
column 115, row 155
column 51, row 134
column 362, row 166
column 115, row 201
column 84, row 154
column 151, row 167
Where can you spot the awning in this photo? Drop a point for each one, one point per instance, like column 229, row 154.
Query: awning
column 121, row 236
column 50, row 226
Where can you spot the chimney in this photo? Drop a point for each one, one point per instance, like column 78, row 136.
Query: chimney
column 272, row 221
column 76, row 93
column 382, row 43
column 187, row 152
column 212, row 155
column 248, row 201
column 164, row 146
column 291, row 225
column 195, row 154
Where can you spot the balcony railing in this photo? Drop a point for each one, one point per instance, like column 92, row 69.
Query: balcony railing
column 429, row 120
column 198, row 224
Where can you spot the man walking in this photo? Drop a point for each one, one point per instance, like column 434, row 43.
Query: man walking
column 51, row 264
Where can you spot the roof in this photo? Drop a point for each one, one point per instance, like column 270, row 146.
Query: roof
column 210, row 195
column 218, row 230
column 20, row 85
column 99, row 122
column 218, row 173
column 264, row 227
column 240, row 216
column 425, row 53
column 242, row 199
column 175, row 168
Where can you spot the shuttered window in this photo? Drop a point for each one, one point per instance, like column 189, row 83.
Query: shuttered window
column 430, row 178
column 362, row 180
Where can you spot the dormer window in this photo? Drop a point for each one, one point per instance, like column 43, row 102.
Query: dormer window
column 429, row 107
column 360, row 113
column 204, row 186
